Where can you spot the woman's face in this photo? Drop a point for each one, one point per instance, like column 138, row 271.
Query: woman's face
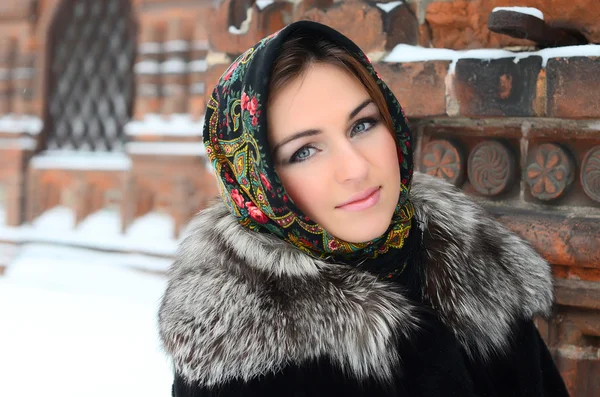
column 334, row 154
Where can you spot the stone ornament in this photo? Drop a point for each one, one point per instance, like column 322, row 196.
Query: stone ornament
column 443, row 159
column 590, row 173
column 550, row 171
column 491, row 168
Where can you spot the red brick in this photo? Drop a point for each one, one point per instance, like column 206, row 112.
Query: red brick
column 360, row 21
column 497, row 87
column 562, row 240
column 262, row 23
column 419, row 86
column 306, row 5
column 16, row 9
column 573, row 87
column 402, row 27
column 461, row 24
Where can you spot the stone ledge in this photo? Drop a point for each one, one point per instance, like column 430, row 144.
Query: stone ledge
column 577, row 293
column 562, row 239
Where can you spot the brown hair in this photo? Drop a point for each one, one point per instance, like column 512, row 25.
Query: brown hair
column 298, row 53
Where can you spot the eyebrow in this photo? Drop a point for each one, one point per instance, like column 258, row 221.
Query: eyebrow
column 313, row 132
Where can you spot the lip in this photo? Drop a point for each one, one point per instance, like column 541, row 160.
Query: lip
column 363, row 200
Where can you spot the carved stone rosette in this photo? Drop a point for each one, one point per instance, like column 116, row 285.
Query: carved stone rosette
column 590, row 173
column 443, row 159
column 549, row 172
column 491, row 168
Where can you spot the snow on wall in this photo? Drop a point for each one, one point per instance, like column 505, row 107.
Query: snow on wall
column 23, row 73
column 261, row 4
column 150, row 48
column 522, row 10
column 12, row 123
column 18, row 143
column 198, row 66
column 245, row 26
column 167, row 148
column 387, row 7
column 72, row 160
column 176, row 46
column 174, row 65
column 174, row 125
column 407, row 53
column 147, row 67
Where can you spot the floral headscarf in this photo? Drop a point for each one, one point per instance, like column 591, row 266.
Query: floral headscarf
column 235, row 137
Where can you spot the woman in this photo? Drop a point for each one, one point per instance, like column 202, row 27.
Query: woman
column 327, row 269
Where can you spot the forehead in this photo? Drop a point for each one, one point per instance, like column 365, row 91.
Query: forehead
column 323, row 93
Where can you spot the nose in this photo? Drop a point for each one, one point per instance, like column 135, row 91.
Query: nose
column 351, row 164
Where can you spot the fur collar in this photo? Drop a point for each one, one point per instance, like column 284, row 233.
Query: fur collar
column 240, row 303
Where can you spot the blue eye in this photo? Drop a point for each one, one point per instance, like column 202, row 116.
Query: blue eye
column 363, row 125
column 301, row 154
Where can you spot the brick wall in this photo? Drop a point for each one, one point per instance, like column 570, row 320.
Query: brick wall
column 519, row 133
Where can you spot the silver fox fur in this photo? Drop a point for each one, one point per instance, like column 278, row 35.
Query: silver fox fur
column 240, row 304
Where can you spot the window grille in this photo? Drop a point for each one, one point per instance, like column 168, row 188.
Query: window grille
column 91, row 80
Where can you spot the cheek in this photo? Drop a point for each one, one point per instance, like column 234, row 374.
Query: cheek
column 384, row 154
column 307, row 188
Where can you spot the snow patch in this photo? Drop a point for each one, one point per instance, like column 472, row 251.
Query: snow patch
column 147, row 67
column 175, row 125
column 387, row 7
column 167, row 148
column 197, row 88
column 18, row 143
column 7, row 251
column 261, row 4
column 23, row 73
column 176, row 46
column 245, row 26
column 151, row 228
column 522, row 10
column 83, row 313
column 406, row 53
column 71, row 160
column 589, row 50
column 4, row 74
column 18, row 124
column 105, row 222
column 152, row 233
column 594, row 126
column 174, row 65
column 233, row 30
column 199, row 65
column 56, row 220
column 150, row 48
column 409, row 53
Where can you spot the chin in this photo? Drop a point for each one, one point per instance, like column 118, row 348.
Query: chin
column 362, row 232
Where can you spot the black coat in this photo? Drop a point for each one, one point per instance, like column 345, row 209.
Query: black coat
column 247, row 315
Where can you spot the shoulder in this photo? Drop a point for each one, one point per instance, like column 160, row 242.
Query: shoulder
column 480, row 276
column 240, row 304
